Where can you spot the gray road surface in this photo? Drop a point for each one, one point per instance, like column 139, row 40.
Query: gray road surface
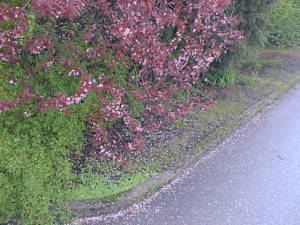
column 252, row 179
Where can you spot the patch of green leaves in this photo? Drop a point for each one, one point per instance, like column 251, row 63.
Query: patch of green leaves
column 168, row 34
column 222, row 78
column 257, row 64
column 136, row 106
column 284, row 24
column 55, row 79
column 8, row 73
column 34, row 168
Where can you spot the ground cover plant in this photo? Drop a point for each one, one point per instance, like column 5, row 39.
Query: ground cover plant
column 86, row 80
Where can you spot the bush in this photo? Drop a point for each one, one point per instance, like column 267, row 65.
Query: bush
column 253, row 20
column 35, row 169
column 284, row 24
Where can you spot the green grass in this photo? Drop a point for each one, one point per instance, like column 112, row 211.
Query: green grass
column 222, row 78
column 249, row 80
column 97, row 186
column 271, row 61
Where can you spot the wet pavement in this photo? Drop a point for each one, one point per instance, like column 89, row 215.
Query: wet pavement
column 253, row 178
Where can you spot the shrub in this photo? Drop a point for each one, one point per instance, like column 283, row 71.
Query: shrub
column 134, row 49
column 253, row 17
column 284, row 24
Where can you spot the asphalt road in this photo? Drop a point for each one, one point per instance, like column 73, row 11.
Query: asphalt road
column 251, row 179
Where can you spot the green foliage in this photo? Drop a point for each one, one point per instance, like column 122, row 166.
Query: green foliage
column 253, row 18
column 168, row 34
column 222, row 78
column 7, row 73
column 106, row 179
column 34, row 168
column 255, row 63
column 284, row 24
column 54, row 80
column 119, row 73
column 179, row 48
column 32, row 26
column 271, row 61
column 136, row 106
column 98, row 186
column 90, row 104
column 14, row 3
column 8, row 24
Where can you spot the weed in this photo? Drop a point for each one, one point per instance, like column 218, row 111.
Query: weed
column 255, row 63
column 222, row 78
